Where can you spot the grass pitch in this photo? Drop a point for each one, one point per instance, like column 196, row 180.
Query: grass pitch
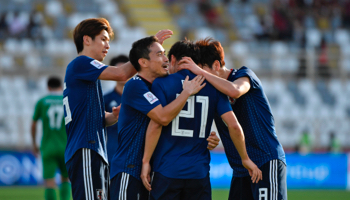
column 37, row 193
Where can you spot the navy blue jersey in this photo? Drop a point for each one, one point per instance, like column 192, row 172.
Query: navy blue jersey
column 137, row 101
column 182, row 148
column 254, row 114
column 84, row 107
column 112, row 99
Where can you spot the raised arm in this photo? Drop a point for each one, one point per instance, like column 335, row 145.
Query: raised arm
column 121, row 73
column 232, row 89
column 237, row 137
column 164, row 115
column 152, row 136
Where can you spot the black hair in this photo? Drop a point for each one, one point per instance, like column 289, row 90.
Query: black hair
column 140, row 49
column 54, row 82
column 119, row 59
column 185, row 48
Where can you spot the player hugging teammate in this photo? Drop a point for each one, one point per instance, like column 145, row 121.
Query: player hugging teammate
column 167, row 116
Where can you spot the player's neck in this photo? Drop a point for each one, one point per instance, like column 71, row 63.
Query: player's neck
column 224, row 72
column 148, row 76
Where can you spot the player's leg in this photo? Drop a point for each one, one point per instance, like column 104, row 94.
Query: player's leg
column 274, row 183
column 49, row 171
column 240, row 189
column 89, row 176
column 65, row 188
column 164, row 188
column 126, row 187
column 199, row 189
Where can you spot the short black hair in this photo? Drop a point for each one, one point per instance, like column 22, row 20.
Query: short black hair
column 140, row 49
column 54, row 82
column 119, row 59
column 185, row 48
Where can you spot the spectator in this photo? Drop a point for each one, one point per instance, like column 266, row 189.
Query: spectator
column 334, row 144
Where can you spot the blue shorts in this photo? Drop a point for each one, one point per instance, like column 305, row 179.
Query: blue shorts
column 164, row 188
column 272, row 187
column 126, row 187
column 89, row 175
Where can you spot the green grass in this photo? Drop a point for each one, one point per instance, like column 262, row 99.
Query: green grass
column 37, row 193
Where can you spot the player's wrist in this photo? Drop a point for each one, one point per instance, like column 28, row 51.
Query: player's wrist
column 145, row 161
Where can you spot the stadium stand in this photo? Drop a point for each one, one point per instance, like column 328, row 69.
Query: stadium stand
column 301, row 53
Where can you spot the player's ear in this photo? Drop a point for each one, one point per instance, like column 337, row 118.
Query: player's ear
column 216, row 65
column 87, row 40
column 143, row 62
column 173, row 60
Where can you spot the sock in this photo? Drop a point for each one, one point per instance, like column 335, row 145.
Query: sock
column 50, row 194
column 65, row 191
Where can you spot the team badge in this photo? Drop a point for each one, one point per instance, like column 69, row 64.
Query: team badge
column 99, row 194
column 150, row 97
column 97, row 64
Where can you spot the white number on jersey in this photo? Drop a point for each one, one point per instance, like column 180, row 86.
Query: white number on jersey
column 68, row 118
column 189, row 113
column 55, row 114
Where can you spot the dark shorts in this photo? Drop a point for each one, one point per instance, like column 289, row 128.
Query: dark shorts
column 126, row 187
column 164, row 188
column 89, row 175
column 272, row 187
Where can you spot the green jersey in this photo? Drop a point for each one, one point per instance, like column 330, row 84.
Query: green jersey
column 50, row 110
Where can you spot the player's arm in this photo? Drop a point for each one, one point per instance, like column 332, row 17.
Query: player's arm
column 121, row 73
column 33, row 133
column 237, row 136
column 112, row 118
column 152, row 136
column 232, row 89
column 164, row 115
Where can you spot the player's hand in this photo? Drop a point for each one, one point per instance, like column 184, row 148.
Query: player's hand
column 36, row 151
column 193, row 86
column 145, row 175
column 213, row 141
column 115, row 111
column 253, row 170
column 163, row 35
column 187, row 63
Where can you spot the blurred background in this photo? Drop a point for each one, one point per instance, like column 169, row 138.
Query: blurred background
column 300, row 49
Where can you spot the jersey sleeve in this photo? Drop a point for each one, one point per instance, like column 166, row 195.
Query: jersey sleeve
column 139, row 97
column 246, row 72
column 223, row 105
column 88, row 69
column 37, row 111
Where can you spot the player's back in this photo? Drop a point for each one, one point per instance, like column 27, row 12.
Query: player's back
column 182, row 148
column 50, row 110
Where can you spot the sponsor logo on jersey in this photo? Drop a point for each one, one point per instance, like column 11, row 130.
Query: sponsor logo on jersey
column 97, row 64
column 150, row 97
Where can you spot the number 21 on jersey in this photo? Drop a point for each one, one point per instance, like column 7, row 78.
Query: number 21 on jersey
column 189, row 113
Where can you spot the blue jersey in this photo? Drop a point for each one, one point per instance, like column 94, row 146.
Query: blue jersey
column 84, row 107
column 182, row 148
column 254, row 114
column 112, row 99
column 137, row 101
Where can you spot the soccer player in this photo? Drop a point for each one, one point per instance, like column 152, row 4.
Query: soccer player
column 85, row 116
column 53, row 143
column 181, row 159
column 253, row 112
column 139, row 105
column 113, row 99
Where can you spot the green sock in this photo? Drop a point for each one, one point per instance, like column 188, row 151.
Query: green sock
column 50, row 194
column 65, row 191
